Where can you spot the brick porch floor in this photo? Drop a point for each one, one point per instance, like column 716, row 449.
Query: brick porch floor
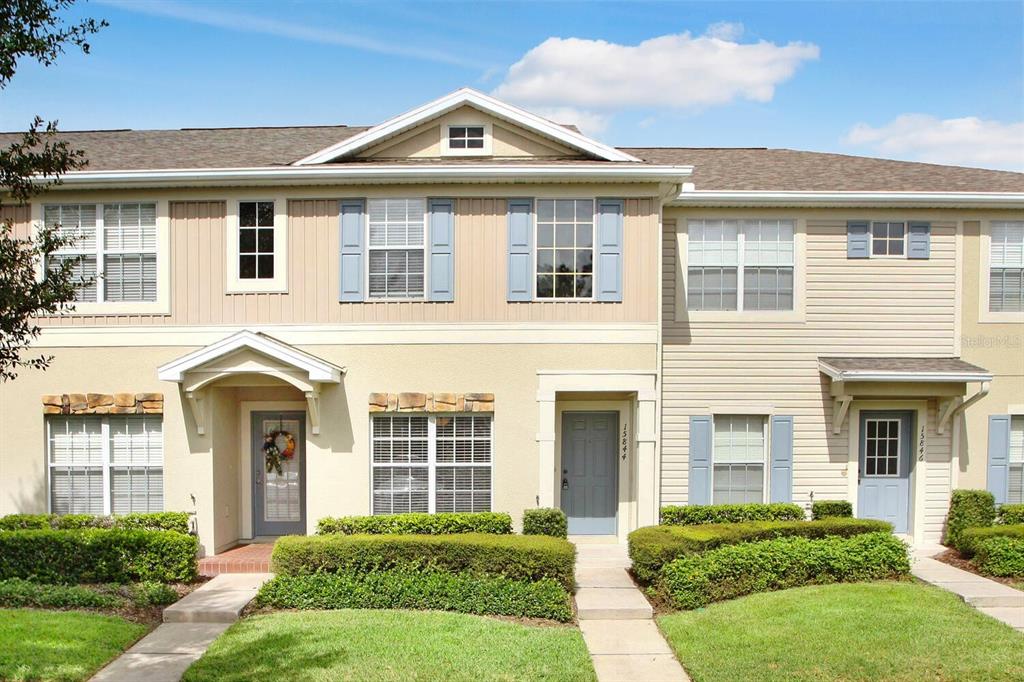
column 253, row 558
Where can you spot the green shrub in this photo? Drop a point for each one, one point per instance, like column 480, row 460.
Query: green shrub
column 151, row 593
column 16, row 592
column 97, row 555
column 545, row 521
column 969, row 509
column 737, row 570
column 176, row 521
column 517, row 557
column 831, row 509
column 968, row 539
column 411, row 589
column 418, row 524
column 696, row 514
column 1001, row 555
column 1011, row 514
column 652, row 547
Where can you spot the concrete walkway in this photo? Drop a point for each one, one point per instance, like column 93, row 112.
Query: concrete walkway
column 617, row 620
column 189, row 627
column 988, row 596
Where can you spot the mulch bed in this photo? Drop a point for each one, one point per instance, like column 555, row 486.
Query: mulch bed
column 957, row 560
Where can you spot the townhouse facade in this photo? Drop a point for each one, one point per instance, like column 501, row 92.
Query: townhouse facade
column 469, row 307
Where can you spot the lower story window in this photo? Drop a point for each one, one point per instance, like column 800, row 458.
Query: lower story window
column 105, row 465
column 1016, row 492
column 431, row 463
column 738, row 458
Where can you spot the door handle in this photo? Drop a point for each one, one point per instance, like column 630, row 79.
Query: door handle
column 565, row 484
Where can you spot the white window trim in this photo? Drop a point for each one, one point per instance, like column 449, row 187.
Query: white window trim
column 426, row 253
column 899, row 444
column 431, row 464
column 162, row 304
column 105, row 466
column 486, row 150
column 279, row 282
column 766, row 454
column 797, row 314
column 888, row 256
column 986, row 316
column 593, row 246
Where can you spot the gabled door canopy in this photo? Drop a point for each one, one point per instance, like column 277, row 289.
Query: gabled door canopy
column 262, row 355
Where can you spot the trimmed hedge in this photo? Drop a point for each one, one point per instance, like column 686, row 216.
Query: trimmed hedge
column 832, row 509
column 545, row 521
column 411, row 589
column 448, row 523
column 517, row 557
column 652, row 547
column 970, row 537
column 728, row 572
column 98, row 555
column 15, row 593
column 968, row 509
column 1011, row 514
column 696, row 514
column 1001, row 555
column 176, row 521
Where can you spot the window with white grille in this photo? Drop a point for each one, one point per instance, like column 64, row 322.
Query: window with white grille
column 738, row 459
column 256, row 240
column 565, row 248
column 1006, row 267
column 1016, row 494
column 397, row 246
column 740, row 265
column 114, row 249
column 105, row 464
column 431, row 463
column 888, row 239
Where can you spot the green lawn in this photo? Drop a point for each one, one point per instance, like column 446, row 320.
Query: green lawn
column 60, row 645
column 873, row 631
column 391, row 645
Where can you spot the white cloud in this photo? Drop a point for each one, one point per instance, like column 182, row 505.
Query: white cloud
column 589, row 122
column 676, row 71
column 968, row 141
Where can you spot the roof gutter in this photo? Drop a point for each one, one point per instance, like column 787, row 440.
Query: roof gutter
column 354, row 174
column 694, row 197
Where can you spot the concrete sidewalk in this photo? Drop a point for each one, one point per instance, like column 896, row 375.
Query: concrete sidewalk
column 617, row 620
column 189, row 627
column 988, row 596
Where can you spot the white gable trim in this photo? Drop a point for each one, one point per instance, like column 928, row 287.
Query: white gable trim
column 317, row 370
column 457, row 99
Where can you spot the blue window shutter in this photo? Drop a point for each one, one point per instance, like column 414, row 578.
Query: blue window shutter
column 609, row 250
column 700, row 460
column 780, row 477
column 442, row 250
column 520, row 249
column 999, row 456
column 919, row 240
column 352, row 261
column 858, row 239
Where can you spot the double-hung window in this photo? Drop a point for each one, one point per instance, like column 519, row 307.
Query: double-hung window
column 256, row 240
column 1016, row 470
column 740, row 265
column 105, row 464
column 888, row 238
column 739, row 454
column 431, row 463
column 113, row 248
column 1006, row 267
column 565, row 249
column 397, row 246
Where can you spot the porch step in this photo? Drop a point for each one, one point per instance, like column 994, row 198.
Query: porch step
column 612, row 603
column 219, row 601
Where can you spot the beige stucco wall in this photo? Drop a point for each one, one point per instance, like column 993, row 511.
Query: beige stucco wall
column 213, row 469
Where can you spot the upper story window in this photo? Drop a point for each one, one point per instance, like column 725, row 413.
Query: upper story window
column 565, row 248
column 888, row 239
column 465, row 137
column 738, row 458
column 114, row 249
column 740, row 265
column 397, row 248
column 1006, row 267
column 256, row 240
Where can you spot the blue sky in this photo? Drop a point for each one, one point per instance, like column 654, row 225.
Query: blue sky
column 933, row 81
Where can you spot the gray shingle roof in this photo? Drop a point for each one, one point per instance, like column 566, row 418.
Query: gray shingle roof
column 903, row 365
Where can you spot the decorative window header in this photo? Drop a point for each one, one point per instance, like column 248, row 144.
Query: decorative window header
column 431, row 402
column 104, row 403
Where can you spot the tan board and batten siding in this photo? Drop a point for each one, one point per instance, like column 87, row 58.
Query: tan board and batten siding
column 852, row 307
column 198, row 260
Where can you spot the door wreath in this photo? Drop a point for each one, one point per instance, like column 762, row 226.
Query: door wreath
column 273, row 455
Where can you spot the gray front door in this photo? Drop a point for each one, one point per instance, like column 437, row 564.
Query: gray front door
column 589, row 471
column 886, row 442
column 279, row 482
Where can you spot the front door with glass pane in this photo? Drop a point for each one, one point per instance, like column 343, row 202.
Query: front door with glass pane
column 590, row 472
column 886, row 440
column 279, row 473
